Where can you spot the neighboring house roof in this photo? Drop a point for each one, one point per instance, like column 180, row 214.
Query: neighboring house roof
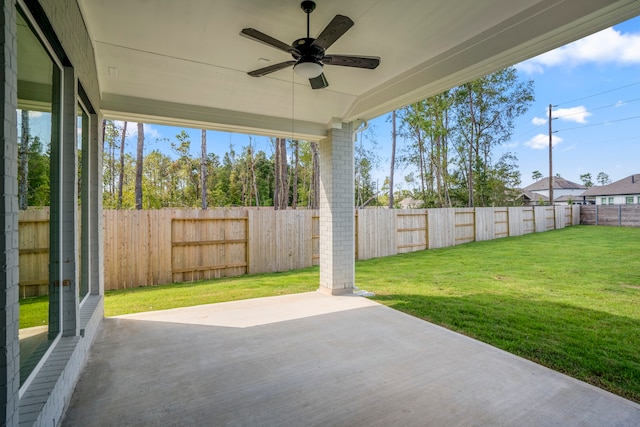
column 558, row 183
column 629, row 185
column 410, row 203
column 528, row 195
column 568, row 199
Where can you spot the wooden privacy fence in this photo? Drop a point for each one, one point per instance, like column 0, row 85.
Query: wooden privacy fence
column 618, row 215
column 33, row 241
column 143, row 248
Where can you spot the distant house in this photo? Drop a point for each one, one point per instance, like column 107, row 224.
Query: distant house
column 565, row 192
column 410, row 203
column 623, row 192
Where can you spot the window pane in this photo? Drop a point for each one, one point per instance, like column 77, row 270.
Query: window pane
column 82, row 143
column 38, row 117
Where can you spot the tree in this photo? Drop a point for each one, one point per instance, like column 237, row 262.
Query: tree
column 586, row 180
column 603, row 179
column 185, row 173
column 365, row 160
column 121, row 173
column 156, row 182
column 393, row 156
column 536, row 176
column 39, row 166
column 314, row 196
column 281, row 185
column 452, row 137
column 296, row 165
column 23, row 163
column 504, row 181
column 485, row 110
column 203, row 169
column 139, row 160
column 250, row 189
column 111, row 135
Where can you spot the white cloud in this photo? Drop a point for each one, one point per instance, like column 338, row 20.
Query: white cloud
column 608, row 46
column 132, row 130
column 620, row 104
column 34, row 114
column 538, row 121
column 151, row 132
column 574, row 114
column 541, row 141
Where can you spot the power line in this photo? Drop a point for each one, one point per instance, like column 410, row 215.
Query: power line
column 599, row 124
column 600, row 93
column 619, row 103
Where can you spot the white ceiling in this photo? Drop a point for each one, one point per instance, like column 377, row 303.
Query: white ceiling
column 184, row 62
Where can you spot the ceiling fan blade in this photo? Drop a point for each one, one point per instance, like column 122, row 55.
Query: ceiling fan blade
column 369, row 62
column 261, row 37
column 319, row 82
column 271, row 68
column 332, row 32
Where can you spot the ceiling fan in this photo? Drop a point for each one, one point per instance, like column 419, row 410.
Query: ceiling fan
column 309, row 54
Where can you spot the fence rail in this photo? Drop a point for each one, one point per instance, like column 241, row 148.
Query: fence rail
column 143, row 248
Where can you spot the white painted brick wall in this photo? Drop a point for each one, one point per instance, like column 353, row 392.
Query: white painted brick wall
column 336, row 211
column 9, row 309
column 44, row 405
column 68, row 24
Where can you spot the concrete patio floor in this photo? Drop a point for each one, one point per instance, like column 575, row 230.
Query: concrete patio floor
column 312, row 359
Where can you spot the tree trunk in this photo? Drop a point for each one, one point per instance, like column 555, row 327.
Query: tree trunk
column 23, row 155
column 139, row 157
column 445, row 162
column 421, row 158
column 281, row 187
column 296, row 154
column 315, row 177
column 471, row 144
column 393, row 157
column 121, row 173
column 203, row 170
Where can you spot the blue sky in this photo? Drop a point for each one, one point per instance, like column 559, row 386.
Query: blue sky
column 594, row 84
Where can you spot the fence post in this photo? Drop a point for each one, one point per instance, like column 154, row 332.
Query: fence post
column 426, row 229
column 619, row 215
column 247, row 237
column 355, row 226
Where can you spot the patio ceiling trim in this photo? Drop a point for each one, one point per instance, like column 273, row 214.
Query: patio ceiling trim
column 121, row 107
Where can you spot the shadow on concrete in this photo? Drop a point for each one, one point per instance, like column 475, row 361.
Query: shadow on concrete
column 591, row 344
column 369, row 365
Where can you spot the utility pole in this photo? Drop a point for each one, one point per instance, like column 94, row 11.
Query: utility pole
column 393, row 157
column 551, row 200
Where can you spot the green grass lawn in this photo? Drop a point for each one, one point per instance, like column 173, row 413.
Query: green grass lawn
column 567, row 299
column 150, row 298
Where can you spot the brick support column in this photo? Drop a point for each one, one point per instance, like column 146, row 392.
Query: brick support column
column 69, row 206
column 94, row 189
column 337, row 212
column 9, row 309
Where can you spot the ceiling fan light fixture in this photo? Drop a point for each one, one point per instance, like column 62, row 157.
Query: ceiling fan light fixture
column 308, row 69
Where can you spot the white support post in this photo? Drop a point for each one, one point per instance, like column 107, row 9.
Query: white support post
column 337, row 265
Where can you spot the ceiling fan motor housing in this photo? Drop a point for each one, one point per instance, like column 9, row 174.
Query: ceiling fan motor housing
column 308, row 51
